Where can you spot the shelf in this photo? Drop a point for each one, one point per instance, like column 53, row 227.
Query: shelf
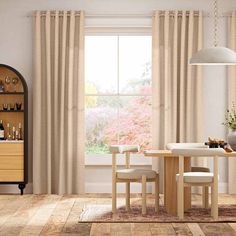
column 11, row 141
column 13, row 111
column 11, row 93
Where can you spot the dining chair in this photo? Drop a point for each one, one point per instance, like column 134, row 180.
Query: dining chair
column 129, row 175
column 205, row 189
column 188, row 179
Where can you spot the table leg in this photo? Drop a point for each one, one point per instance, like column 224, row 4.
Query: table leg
column 171, row 168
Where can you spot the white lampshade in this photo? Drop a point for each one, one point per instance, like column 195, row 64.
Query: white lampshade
column 214, row 56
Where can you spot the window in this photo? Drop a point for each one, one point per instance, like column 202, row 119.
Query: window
column 118, row 91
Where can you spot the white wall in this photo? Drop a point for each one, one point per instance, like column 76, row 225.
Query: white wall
column 16, row 37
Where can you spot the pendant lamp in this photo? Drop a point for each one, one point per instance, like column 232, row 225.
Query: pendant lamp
column 215, row 55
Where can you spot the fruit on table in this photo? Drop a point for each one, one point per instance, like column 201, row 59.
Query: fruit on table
column 214, row 140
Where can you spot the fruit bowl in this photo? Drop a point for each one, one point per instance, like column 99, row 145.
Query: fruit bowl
column 215, row 143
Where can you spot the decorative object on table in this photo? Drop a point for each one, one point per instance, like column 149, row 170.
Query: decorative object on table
column 230, row 123
column 228, row 148
column 215, row 55
column 215, row 143
column 2, row 89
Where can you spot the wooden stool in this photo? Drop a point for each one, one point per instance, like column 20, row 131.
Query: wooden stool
column 129, row 175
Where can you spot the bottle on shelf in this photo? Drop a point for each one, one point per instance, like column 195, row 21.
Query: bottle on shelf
column 20, row 135
column 2, row 132
column 17, row 135
column 8, row 132
column 13, row 133
column 2, row 89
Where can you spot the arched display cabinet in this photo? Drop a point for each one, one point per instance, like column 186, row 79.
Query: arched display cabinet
column 14, row 117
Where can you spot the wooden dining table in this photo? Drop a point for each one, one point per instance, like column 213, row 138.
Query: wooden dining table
column 171, row 168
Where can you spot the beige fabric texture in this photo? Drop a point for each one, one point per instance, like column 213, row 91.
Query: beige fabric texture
column 197, row 177
column 232, row 97
column 135, row 173
column 177, row 86
column 58, row 103
column 123, row 148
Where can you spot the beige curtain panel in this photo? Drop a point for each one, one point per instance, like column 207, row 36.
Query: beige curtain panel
column 177, row 86
column 232, row 97
column 58, row 103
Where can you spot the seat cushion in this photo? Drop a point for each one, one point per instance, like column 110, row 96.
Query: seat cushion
column 200, row 169
column 197, row 177
column 135, row 173
column 123, row 148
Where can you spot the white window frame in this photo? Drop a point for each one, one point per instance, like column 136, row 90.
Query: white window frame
column 105, row 159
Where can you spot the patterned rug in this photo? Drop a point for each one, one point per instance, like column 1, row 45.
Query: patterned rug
column 102, row 213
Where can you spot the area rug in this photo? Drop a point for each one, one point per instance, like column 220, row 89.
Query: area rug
column 101, row 213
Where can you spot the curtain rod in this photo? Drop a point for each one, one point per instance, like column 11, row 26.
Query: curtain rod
column 127, row 15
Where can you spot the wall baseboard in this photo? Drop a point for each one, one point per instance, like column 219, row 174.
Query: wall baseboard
column 13, row 189
column 96, row 188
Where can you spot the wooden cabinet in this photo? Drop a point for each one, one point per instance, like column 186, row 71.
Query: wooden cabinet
column 14, row 114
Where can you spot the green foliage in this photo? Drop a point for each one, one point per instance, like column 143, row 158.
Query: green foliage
column 230, row 118
column 96, row 148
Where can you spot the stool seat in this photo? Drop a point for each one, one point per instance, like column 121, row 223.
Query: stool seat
column 123, row 148
column 135, row 174
column 200, row 169
column 197, row 177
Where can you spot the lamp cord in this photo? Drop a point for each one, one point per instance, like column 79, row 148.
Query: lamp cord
column 216, row 16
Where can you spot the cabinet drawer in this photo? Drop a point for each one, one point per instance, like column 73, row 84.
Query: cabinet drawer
column 13, row 149
column 11, row 162
column 11, row 175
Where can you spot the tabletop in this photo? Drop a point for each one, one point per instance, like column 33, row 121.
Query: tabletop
column 168, row 153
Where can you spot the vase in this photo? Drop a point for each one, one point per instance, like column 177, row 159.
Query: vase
column 232, row 139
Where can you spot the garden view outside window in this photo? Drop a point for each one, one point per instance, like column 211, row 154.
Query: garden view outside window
column 118, row 91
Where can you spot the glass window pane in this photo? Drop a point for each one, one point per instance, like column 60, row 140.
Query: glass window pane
column 135, row 64
column 133, row 123
column 101, row 64
column 99, row 115
column 114, row 119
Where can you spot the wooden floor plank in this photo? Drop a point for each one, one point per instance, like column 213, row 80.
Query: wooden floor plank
column 42, row 215
column 59, row 215
column 100, row 229
column 120, row 229
column 181, row 229
column 140, row 229
column 162, row 229
column 195, row 229
column 217, row 229
column 11, row 207
column 15, row 224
